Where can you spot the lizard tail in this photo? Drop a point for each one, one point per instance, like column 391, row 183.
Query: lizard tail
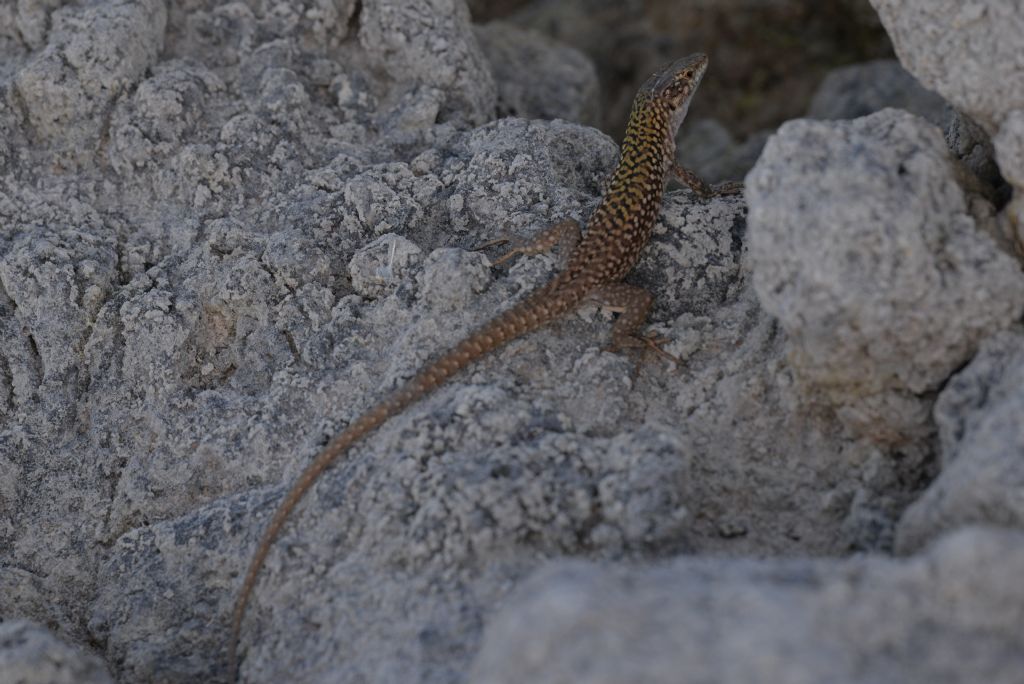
column 518, row 320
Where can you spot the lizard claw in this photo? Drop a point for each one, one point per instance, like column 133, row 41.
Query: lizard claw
column 487, row 245
column 655, row 342
column 651, row 341
column 504, row 257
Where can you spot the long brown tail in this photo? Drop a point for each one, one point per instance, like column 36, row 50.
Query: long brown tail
column 528, row 315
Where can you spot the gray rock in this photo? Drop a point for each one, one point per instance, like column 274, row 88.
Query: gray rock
column 93, row 54
column 707, row 148
column 969, row 143
column 453, row 279
column 31, row 654
column 59, row 265
column 430, row 42
column 383, row 266
column 696, row 255
column 981, row 435
column 189, row 309
column 861, row 89
column 863, row 248
column 426, row 527
column 968, row 52
column 429, row 522
column 206, row 247
column 30, row 20
column 1009, row 144
column 538, row 78
column 24, row 593
column 952, row 614
column 849, row 92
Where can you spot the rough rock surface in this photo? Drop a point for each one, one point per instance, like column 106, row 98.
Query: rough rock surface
column 218, row 250
column 537, row 79
column 968, row 52
column 864, row 249
column 952, row 614
column 981, row 433
column 861, row 89
column 1009, row 150
column 92, row 55
column 31, row 654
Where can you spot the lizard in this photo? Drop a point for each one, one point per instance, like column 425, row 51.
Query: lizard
column 595, row 264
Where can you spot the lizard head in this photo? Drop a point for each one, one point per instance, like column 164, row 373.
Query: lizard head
column 670, row 89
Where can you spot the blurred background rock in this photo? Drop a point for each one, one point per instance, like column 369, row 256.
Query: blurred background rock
column 768, row 57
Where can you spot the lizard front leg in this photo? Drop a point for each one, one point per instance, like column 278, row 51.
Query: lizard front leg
column 564, row 234
column 702, row 189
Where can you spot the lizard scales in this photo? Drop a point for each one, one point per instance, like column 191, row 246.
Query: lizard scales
column 616, row 233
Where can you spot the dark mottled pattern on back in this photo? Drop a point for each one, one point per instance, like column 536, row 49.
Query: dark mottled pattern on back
column 616, row 233
column 622, row 222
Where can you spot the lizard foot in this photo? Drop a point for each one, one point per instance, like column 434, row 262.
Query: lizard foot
column 564, row 235
column 494, row 243
column 727, row 188
column 649, row 342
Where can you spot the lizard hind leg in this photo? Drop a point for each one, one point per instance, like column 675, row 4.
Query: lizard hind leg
column 565, row 235
column 632, row 303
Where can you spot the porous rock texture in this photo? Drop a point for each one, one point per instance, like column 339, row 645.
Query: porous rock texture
column 981, row 432
column 218, row 249
column 31, row 654
column 970, row 53
column 864, row 249
column 951, row 610
column 861, row 89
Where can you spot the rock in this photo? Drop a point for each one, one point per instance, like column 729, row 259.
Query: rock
column 861, row 89
column 276, row 224
column 93, row 54
column 1009, row 144
column 384, row 265
column 707, row 620
column 862, row 246
column 696, row 255
column 57, row 268
column 972, row 146
column 848, row 92
column 453, row 279
column 430, row 42
column 538, row 78
column 31, row 654
column 981, row 438
column 426, row 512
column 968, row 52
column 707, row 148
